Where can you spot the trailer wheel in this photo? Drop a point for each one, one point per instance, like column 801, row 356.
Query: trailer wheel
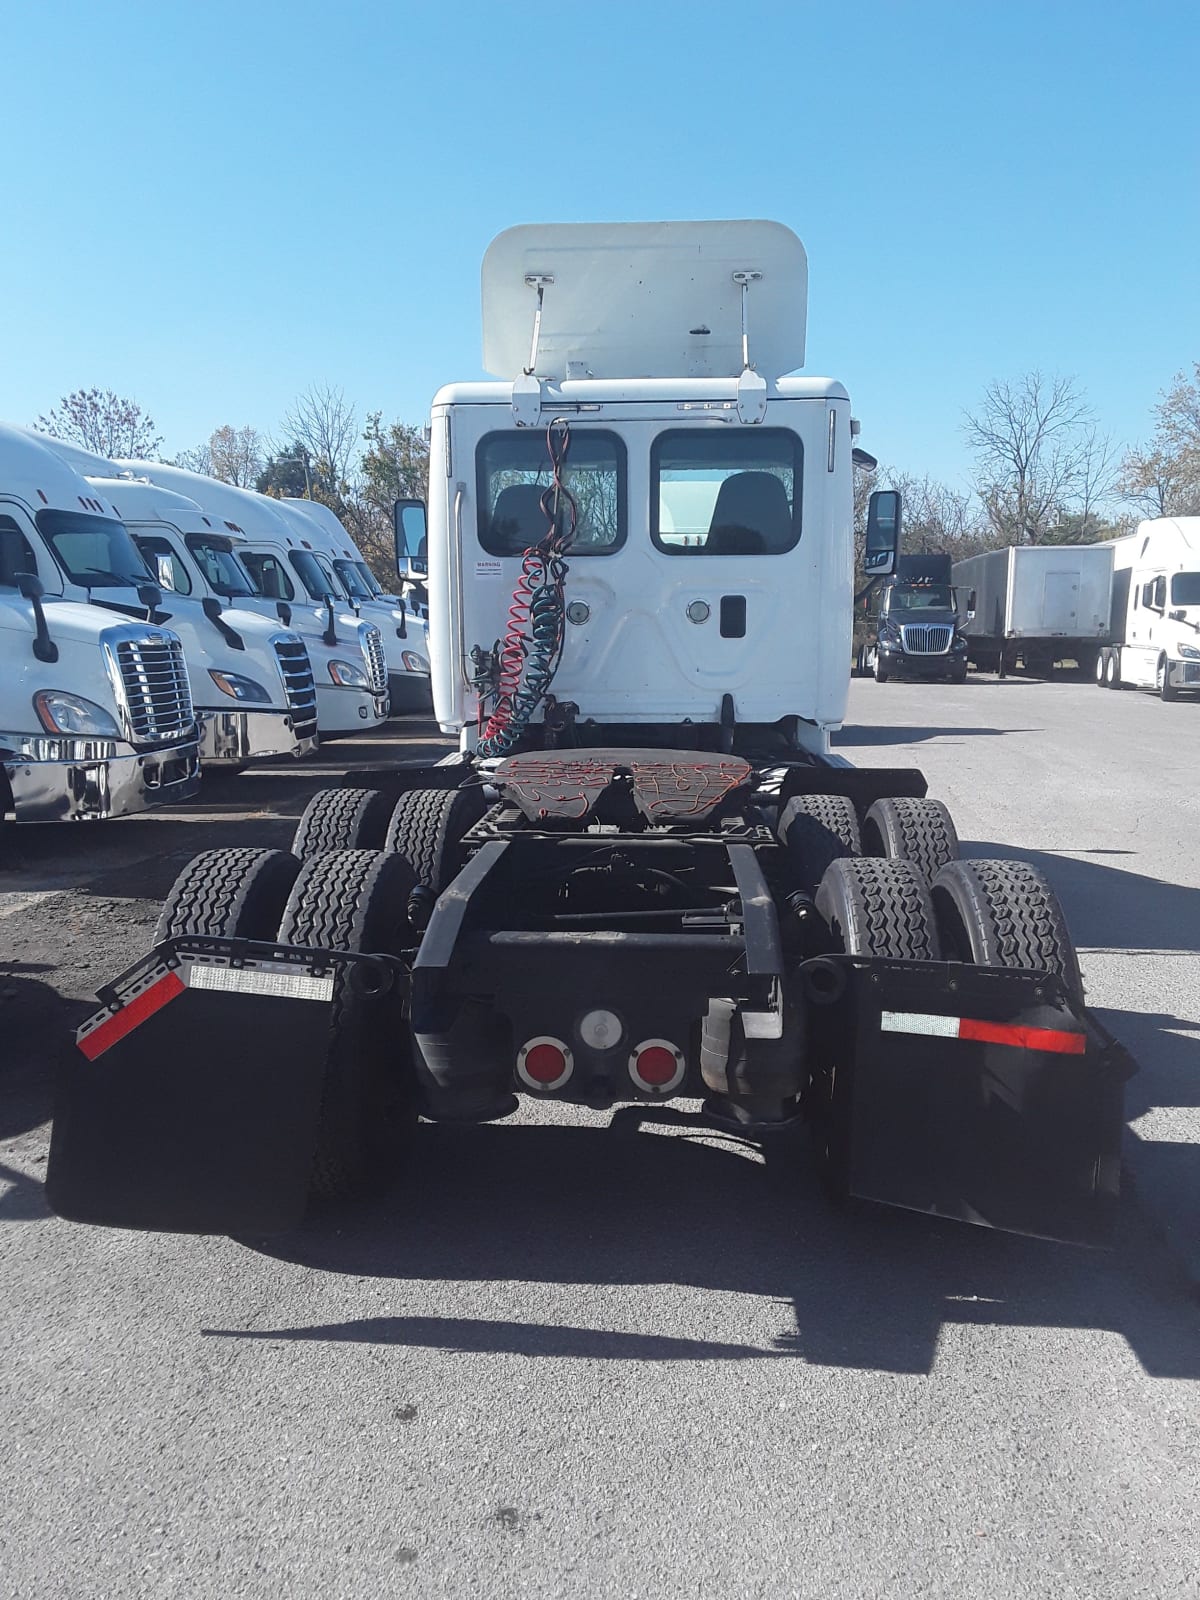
column 427, row 828
column 920, row 831
column 342, row 819
column 234, row 893
column 879, row 908
column 1004, row 914
column 356, row 901
column 1162, row 681
column 817, row 829
column 1104, row 670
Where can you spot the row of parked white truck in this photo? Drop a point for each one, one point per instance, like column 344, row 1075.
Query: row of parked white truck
column 154, row 621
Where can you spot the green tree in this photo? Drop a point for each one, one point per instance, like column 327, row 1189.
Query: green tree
column 1162, row 479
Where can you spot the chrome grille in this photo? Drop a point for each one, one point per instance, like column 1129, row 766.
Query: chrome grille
column 157, row 693
column 376, row 660
column 298, row 683
column 926, row 638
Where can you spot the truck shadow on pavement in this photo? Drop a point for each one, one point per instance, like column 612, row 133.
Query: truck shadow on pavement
column 618, row 1208
column 854, row 734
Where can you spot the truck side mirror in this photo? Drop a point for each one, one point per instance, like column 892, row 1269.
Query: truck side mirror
column 151, row 597
column 29, row 585
column 31, row 588
column 884, row 515
column 971, row 605
column 410, row 526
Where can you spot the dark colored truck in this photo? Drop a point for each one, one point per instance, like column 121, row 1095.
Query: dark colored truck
column 917, row 630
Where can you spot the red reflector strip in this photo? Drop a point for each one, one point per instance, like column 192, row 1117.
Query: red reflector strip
column 1055, row 1040
column 128, row 1018
column 1052, row 1039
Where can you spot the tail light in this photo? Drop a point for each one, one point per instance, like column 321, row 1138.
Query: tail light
column 544, row 1063
column 657, row 1066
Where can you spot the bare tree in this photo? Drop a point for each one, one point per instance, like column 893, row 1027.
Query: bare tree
column 1031, row 439
column 324, row 423
column 103, row 422
column 236, row 455
column 198, row 459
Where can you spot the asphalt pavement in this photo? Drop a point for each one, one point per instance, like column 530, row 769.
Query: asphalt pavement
column 568, row 1355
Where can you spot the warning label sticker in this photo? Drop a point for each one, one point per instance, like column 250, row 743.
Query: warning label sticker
column 488, row 569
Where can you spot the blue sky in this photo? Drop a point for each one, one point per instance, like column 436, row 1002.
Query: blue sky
column 214, row 205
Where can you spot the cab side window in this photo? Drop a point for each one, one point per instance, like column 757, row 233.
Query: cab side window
column 16, row 554
column 270, row 575
column 164, row 563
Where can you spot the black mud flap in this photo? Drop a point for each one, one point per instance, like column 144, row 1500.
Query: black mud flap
column 190, row 1103
column 978, row 1093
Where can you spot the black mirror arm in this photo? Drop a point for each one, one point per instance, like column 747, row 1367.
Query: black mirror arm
column 330, row 634
column 284, row 612
column 29, row 586
column 212, row 610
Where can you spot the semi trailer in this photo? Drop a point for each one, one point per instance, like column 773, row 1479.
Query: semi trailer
column 1036, row 604
column 1155, row 628
column 642, row 875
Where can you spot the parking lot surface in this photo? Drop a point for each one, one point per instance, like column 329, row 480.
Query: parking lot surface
column 568, row 1356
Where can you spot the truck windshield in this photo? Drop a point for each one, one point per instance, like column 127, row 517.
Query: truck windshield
column 921, row 597
column 220, row 566
column 94, row 552
column 352, row 580
column 369, row 578
column 1185, row 589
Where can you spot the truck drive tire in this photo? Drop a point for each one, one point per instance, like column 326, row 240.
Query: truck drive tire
column 1104, row 670
column 816, row 829
column 919, row 831
column 356, row 901
column 879, row 908
column 881, row 672
column 427, row 828
column 342, row 819
column 234, row 893
column 1004, row 914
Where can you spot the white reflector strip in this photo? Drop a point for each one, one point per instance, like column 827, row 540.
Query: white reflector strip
column 255, row 980
column 919, row 1022
column 762, row 1024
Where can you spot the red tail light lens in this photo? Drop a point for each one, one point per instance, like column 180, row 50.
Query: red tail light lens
column 657, row 1065
column 544, row 1063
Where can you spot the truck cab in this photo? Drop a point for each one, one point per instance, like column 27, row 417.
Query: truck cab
column 347, row 653
column 96, row 715
column 917, row 623
column 1156, row 609
column 405, row 633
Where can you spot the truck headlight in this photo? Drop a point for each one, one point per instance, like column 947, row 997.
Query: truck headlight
column 413, row 662
column 347, row 676
column 1189, row 652
column 71, row 713
column 239, row 688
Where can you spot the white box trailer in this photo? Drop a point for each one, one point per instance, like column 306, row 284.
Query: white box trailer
column 1041, row 603
column 1155, row 634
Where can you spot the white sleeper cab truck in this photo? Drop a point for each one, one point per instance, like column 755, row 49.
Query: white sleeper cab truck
column 96, row 715
column 642, row 876
column 405, row 641
column 235, row 661
column 347, row 654
column 1155, row 610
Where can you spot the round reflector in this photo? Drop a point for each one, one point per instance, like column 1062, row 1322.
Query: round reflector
column 657, row 1065
column 544, row 1062
column 601, row 1029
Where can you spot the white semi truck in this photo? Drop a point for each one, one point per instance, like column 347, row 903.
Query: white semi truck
column 96, row 716
column 405, row 633
column 1039, row 604
column 349, row 660
column 642, row 875
column 251, row 679
column 1155, row 630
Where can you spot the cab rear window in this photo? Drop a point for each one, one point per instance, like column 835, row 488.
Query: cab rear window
column 726, row 493
column 513, row 473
